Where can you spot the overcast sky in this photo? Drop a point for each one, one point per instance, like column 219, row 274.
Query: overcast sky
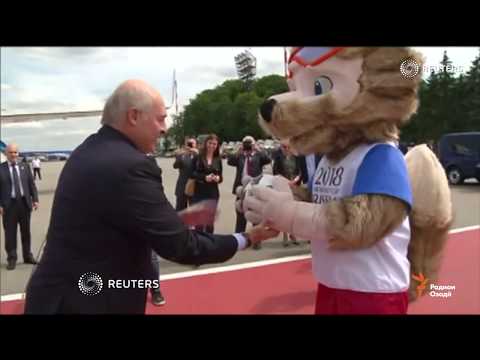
column 55, row 79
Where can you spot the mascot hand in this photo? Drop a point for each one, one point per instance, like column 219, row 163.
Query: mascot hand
column 278, row 210
column 240, row 191
column 274, row 206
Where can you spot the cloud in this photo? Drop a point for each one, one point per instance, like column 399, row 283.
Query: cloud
column 66, row 54
column 50, row 135
column 39, row 106
column 207, row 73
column 51, row 79
column 268, row 67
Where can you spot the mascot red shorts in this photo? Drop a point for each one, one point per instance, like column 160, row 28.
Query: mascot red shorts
column 347, row 302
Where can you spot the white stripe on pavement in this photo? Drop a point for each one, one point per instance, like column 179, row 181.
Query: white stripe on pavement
column 184, row 274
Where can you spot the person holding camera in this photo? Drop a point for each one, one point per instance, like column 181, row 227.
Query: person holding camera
column 249, row 163
column 184, row 163
column 288, row 165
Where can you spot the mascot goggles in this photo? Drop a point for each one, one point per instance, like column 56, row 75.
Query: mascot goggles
column 311, row 56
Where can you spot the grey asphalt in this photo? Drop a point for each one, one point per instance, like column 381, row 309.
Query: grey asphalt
column 466, row 201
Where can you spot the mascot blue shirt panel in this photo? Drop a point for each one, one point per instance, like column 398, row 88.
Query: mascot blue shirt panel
column 384, row 171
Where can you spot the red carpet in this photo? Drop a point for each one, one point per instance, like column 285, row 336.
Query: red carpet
column 289, row 288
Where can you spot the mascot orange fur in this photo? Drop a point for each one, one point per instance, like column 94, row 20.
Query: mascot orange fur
column 374, row 217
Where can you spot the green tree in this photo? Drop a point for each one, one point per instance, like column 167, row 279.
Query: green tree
column 270, row 85
column 472, row 98
column 176, row 131
column 442, row 99
column 229, row 110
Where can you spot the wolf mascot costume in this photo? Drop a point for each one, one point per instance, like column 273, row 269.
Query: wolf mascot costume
column 374, row 217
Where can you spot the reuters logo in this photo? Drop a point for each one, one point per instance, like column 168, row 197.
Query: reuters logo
column 90, row 284
column 409, row 68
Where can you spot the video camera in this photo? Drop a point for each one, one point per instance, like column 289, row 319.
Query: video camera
column 247, row 145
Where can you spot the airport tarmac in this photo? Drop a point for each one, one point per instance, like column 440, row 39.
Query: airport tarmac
column 466, row 202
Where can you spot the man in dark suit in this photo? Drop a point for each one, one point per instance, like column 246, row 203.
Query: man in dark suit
column 249, row 162
column 18, row 195
column 110, row 211
column 184, row 164
column 288, row 165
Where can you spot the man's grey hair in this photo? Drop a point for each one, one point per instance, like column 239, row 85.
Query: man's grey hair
column 122, row 99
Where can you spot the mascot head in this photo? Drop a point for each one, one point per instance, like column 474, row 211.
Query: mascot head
column 340, row 97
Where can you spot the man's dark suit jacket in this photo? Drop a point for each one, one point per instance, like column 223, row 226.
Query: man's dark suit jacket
column 28, row 185
column 278, row 167
column 258, row 161
column 184, row 163
column 302, row 163
column 109, row 211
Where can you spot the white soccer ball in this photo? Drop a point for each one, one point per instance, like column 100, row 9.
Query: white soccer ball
column 262, row 180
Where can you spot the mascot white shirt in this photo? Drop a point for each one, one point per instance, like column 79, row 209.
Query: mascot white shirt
column 383, row 267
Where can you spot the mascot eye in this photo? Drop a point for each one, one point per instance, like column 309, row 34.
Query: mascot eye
column 322, row 85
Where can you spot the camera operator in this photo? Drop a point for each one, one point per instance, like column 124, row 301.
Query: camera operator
column 249, row 162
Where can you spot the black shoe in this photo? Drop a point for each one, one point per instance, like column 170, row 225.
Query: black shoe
column 11, row 265
column 158, row 299
column 30, row 260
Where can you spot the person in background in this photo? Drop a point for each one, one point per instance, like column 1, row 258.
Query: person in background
column 184, row 163
column 36, row 168
column 286, row 164
column 156, row 295
column 18, row 196
column 249, row 162
column 208, row 174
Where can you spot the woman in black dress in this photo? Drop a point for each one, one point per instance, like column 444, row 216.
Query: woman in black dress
column 207, row 172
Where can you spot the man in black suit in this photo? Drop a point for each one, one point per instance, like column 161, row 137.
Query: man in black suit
column 110, row 211
column 184, row 164
column 18, row 195
column 249, row 161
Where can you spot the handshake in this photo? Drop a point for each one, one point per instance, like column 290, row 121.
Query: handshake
column 261, row 199
column 269, row 203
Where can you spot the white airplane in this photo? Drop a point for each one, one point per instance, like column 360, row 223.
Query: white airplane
column 18, row 118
